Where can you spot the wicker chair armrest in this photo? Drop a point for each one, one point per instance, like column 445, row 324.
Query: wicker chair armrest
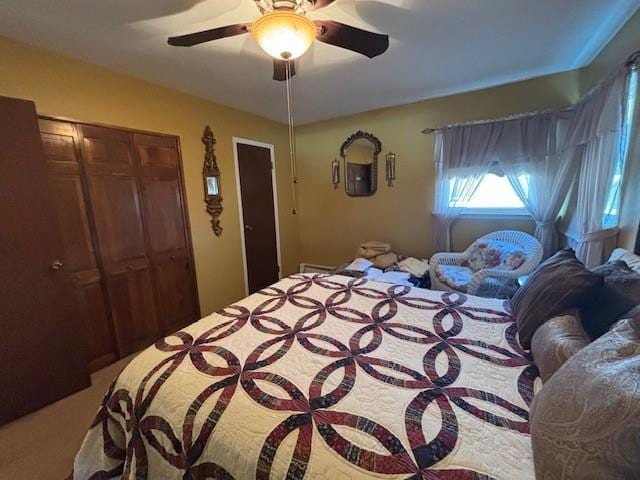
column 447, row 259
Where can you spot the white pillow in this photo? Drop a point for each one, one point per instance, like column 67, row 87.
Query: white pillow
column 359, row 265
column 395, row 278
column 626, row 256
column 374, row 273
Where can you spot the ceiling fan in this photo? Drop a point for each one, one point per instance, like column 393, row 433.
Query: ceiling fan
column 285, row 33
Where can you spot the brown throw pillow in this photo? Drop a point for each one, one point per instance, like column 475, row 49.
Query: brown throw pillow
column 585, row 422
column 556, row 341
column 620, row 292
column 559, row 284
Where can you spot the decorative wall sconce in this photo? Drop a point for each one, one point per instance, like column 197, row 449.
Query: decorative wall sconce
column 390, row 170
column 211, row 175
column 335, row 173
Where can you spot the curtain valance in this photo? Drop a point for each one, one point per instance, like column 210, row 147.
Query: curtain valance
column 514, row 140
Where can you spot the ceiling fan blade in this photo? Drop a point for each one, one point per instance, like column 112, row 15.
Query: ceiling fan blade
column 355, row 39
column 209, row 35
column 317, row 4
column 280, row 69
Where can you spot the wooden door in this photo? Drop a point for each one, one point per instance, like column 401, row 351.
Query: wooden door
column 42, row 358
column 167, row 230
column 61, row 150
column 108, row 158
column 258, row 212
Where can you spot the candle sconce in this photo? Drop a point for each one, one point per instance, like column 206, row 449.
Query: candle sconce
column 335, row 173
column 390, row 170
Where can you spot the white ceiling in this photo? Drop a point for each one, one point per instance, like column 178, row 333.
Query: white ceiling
column 438, row 47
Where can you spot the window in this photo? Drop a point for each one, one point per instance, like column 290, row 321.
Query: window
column 495, row 196
column 611, row 212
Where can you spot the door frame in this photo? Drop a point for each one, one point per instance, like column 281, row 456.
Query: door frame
column 274, row 184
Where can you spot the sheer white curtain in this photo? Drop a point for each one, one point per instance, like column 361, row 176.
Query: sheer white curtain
column 466, row 153
column 542, row 186
column 595, row 141
column 455, row 185
column 591, row 147
column 540, row 177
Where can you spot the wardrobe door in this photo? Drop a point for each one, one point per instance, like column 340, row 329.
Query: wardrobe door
column 42, row 358
column 166, row 222
column 59, row 140
column 115, row 200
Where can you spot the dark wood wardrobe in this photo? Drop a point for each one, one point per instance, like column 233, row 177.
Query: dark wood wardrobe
column 96, row 251
column 119, row 198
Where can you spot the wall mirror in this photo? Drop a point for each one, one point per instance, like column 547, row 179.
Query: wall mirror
column 360, row 154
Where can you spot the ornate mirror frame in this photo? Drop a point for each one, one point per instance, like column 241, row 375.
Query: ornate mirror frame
column 211, row 177
column 377, row 145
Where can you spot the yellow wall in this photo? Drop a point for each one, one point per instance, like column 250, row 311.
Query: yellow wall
column 63, row 86
column 623, row 44
column 332, row 224
column 612, row 57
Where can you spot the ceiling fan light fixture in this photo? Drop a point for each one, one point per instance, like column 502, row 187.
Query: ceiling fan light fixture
column 284, row 35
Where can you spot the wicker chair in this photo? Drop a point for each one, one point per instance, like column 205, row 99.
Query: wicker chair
column 491, row 279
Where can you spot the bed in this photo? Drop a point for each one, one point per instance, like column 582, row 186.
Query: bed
column 324, row 376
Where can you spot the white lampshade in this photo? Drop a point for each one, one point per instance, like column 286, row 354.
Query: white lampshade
column 284, row 35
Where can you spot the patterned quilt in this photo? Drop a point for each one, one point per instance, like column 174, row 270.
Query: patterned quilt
column 324, row 376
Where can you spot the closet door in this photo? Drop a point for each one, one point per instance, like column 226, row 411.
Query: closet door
column 166, row 222
column 108, row 157
column 59, row 140
column 42, row 358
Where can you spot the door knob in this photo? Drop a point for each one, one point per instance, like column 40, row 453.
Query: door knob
column 248, row 227
column 57, row 264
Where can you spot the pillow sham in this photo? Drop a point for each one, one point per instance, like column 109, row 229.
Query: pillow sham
column 556, row 341
column 559, row 284
column 627, row 257
column 585, row 422
column 619, row 293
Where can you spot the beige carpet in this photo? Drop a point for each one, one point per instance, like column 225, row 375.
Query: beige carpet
column 42, row 445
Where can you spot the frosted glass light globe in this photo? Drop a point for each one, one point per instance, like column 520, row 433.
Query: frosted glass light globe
column 284, row 35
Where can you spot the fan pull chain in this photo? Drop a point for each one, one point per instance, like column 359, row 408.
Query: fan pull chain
column 292, row 139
